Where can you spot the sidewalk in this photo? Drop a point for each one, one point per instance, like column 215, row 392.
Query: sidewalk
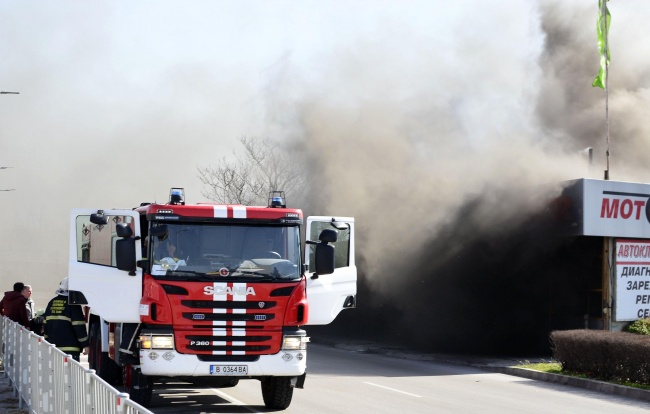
column 8, row 402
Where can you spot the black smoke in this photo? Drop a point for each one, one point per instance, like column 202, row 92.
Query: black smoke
column 499, row 292
column 458, row 247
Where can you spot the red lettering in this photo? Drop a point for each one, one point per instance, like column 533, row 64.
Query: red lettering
column 609, row 211
column 626, row 208
column 639, row 204
column 611, row 208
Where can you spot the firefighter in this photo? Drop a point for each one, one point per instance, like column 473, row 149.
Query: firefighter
column 14, row 305
column 65, row 325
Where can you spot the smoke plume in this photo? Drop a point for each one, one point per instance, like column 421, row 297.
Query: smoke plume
column 449, row 166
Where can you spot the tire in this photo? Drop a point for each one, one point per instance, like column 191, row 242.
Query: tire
column 103, row 365
column 277, row 392
column 139, row 386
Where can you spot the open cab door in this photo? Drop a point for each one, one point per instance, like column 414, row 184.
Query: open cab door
column 96, row 237
column 328, row 294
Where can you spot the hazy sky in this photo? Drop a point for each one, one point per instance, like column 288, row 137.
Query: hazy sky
column 428, row 102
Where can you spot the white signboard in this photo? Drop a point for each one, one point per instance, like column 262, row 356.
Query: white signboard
column 615, row 209
column 632, row 280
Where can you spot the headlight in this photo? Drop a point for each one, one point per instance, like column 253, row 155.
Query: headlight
column 293, row 343
column 156, row 341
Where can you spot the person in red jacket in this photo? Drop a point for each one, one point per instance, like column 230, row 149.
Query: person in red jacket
column 13, row 305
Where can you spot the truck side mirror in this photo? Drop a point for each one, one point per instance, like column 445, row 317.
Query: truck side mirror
column 324, row 259
column 99, row 218
column 159, row 231
column 125, row 248
column 125, row 255
column 328, row 236
column 324, row 255
column 123, row 230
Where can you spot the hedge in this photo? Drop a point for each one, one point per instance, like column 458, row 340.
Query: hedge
column 620, row 356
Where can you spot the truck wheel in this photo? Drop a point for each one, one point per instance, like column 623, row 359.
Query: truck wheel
column 277, row 392
column 103, row 365
column 138, row 385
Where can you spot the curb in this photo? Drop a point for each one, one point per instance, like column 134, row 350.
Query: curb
column 594, row 385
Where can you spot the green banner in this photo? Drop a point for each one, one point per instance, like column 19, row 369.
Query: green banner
column 602, row 28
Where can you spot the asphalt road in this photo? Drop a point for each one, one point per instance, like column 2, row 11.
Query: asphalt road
column 346, row 381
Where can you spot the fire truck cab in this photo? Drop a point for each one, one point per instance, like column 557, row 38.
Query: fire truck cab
column 207, row 292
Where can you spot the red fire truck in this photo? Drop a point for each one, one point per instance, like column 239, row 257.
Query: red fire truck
column 207, row 292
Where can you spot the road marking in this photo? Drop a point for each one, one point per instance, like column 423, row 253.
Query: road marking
column 234, row 400
column 393, row 389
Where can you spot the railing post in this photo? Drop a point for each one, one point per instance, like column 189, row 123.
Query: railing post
column 22, row 375
column 90, row 394
column 48, row 395
column 121, row 407
column 66, row 381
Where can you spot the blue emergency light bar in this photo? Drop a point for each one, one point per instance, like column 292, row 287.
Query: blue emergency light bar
column 177, row 196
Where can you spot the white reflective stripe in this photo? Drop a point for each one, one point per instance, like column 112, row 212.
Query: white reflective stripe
column 222, row 332
column 237, row 288
column 219, row 286
column 238, row 212
column 219, row 332
column 221, row 211
column 238, row 291
column 215, row 296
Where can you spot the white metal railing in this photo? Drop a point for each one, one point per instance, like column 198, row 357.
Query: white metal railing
column 47, row 380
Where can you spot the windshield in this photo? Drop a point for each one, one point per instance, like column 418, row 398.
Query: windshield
column 202, row 250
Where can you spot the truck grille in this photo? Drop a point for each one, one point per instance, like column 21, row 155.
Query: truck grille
column 237, row 319
column 228, row 316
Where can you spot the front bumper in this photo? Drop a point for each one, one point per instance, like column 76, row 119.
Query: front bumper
column 169, row 363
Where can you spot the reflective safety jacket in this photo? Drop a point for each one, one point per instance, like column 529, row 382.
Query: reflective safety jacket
column 64, row 325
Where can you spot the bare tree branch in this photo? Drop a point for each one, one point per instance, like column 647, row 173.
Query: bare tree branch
column 265, row 166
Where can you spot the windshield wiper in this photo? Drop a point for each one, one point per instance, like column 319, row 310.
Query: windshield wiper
column 241, row 272
column 184, row 273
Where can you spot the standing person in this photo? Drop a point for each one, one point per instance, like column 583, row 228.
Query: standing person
column 29, row 304
column 14, row 305
column 35, row 322
column 17, row 285
column 65, row 325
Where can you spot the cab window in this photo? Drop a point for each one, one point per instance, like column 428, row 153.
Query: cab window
column 96, row 243
column 341, row 246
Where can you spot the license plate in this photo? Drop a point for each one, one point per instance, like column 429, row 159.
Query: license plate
column 228, row 370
